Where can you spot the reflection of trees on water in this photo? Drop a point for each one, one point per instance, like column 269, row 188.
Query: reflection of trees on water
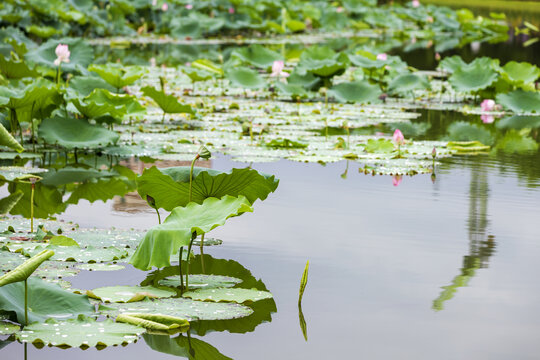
column 481, row 245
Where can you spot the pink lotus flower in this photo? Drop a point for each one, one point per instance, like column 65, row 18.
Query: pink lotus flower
column 339, row 10
column 415, row 3
column 396, row 180
column 488, row 105
column 487, row 119
column 437, row 56
column 231, row 10
column 62, row 54
column 399, row 139
column 277, row 69
column 189, row 6
column 382, row 57
column 164, row 7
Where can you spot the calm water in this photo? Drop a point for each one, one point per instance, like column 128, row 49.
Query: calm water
column 379, row 256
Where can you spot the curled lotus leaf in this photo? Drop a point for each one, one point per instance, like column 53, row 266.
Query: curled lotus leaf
column 163, row 240
column 406, row 83
column 170, row 187
column 110, row 294
column 182, row 308
column 237, row 295
column 23, row 271
column 83, row 332
column 11, row 173
column 156, row 322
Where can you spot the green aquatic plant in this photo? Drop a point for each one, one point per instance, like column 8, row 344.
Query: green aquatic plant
column 118, row 75
column 169, row 104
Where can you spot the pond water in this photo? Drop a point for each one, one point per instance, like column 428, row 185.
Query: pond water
column 439, row 265
column 427, row 269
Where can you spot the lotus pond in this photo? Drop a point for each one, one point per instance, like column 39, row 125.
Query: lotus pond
column 267, row 180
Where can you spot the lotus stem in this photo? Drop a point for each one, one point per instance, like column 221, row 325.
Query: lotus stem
column 25, row 302
column 158, row 217
column 180, row 267
column 187, row 268
column 191, row 176
column 202, row 253
column 251, row 131
column 33, row 186
column 58, row 74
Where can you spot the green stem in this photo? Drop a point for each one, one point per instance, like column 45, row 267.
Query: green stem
column 191, row 176
column 188, row 258
column 163, row 118
column 58, row 73
column 251, row 131
column 202, row 253
column 180, row 266
column 158, row 217
column 33, row 186
column 25, row 302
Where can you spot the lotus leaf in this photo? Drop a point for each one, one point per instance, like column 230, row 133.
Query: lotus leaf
column 128, row 293
column 14, row 68
column 286, row 144
column 75, row 133
column 182, row 308
column 47, row 200
column 257, row 55
column 520, row 73
column 156, row 322
column 23, row 271
column 245, row 77
column 7, row 328
column 84, row 85
column 240, row 296
column 463, row 131
column 291, row 90
column 168, row 103
column 520, row 101
column 406, row 83
column 473, row 78
column 355, row 91
column 89, row 254
column 107, row 238
column 100, row 267
column 170, row 187
column 397, row 167
column 199, row 281
column 380, row 146
column 82, row 54
column 208, row 66
column 7, row 203
column 72, row 174
column 519, row 122
column 163, row 240
column 117, row 75
column 196, row 74
column 100, row 189
column 82, row 332
column 183, row 346
column 322, row 62
column 101, row 102
column 45, row 300
column 61, row 240
column 13, row 173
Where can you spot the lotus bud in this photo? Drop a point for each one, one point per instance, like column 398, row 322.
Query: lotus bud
column 323, row 90
column 382, row 57
column 415, row 3
column 204, row 153
column 434, row 152
column 231, row 10
column 189, row 6
column 433, row 178
column 62, row 54
column 398, row 137
column 164, row 7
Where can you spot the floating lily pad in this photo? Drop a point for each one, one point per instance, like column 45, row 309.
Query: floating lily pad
column 360, row 92
column 7, row 328
column 520, row 101
column 124, row 294
column 76, row 133
column 82, row 332
column 182, row 308
column 88, row 254
column 100, row 267
column 208, row 241
column 11, row 173
column 199, row 281
column 240, row 296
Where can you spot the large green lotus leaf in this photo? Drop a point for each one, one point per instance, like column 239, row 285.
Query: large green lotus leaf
column 454, row 63
column 245, row 77
column 520, row 101
column 84, row 85
column 118, row 75
column 88, row 254
column 75, row 133
column 200, row 281
column 518, row 122
column 100, row 189
column 6, row 139
column 464, row 131
column 183, row 346
column 82, row 54
column 356, row 91
column 163, row 240
column 82, row 332
column 473, row 78
column 110, row 294
column 7, row 328
column 406, row 83
column 181, row 307
column 107, row 237
column 7, row 203
column 37, row 99
column 47, row 201
column 196, row 74
column 45, row 300
column 101, row 102
column 170, row 187
column 257, row 55
column 71, row 174
column 370, row 62
column 23, row 271
column 519, row 73
column 380, row 146
column 168, row 103
column 515, row 143
column 10, row 260
column 307, row 81
column 322, row 61
column 13, row 68
column 240, row 296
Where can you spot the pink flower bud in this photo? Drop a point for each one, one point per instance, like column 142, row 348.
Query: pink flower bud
column 62, row 54
column 415, row 3
column 488, row 105
column 189, row 6
column 339, row 10
column 231, row 10
column 434, row 152
column 382, row 57
column 164, row 7
column 399, row 139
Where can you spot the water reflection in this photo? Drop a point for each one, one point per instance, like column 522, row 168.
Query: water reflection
column 481, row 245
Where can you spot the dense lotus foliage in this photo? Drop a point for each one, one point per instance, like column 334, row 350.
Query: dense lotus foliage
column 257, row 81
